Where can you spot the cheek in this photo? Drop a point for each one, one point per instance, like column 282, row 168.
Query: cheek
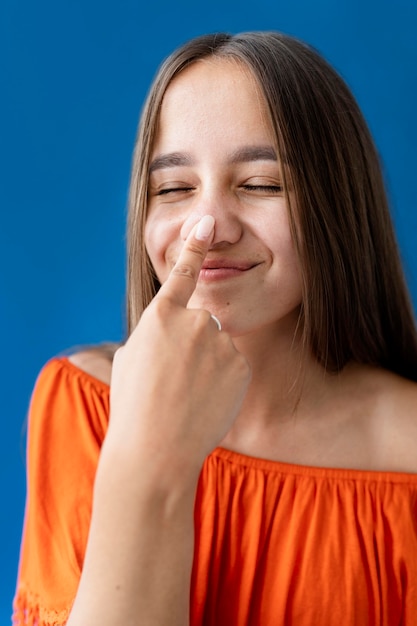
column 275, row 232
column 278, row 240
column 164, row 237
column 161, row 242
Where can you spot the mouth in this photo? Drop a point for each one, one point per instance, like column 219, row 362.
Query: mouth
column 221, row 269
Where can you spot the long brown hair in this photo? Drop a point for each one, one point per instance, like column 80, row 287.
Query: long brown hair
column 355, row 304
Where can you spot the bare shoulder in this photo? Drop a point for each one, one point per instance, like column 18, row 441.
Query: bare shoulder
column 398, row 396
column 396, row 419
column 96, row 361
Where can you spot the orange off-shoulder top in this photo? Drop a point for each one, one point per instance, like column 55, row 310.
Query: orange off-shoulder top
column 275, row 544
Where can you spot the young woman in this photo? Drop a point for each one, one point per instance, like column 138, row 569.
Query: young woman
column 249, row 458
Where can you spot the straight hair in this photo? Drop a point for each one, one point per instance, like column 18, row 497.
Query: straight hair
column 355, row 303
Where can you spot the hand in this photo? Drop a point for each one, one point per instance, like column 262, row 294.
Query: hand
column 178, row 383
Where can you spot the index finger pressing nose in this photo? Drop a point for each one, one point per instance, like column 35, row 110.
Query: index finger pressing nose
column 183, row 278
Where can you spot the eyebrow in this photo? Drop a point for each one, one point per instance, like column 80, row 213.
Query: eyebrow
column 245, row 154
column 253, row 153
column 173, row 159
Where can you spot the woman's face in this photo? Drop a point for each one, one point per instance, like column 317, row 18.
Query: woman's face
column 214, row 154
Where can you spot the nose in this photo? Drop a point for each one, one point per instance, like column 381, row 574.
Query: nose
column 228, row 226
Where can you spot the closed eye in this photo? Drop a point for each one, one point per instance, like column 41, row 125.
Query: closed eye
column 164, row 192
column 264, row 188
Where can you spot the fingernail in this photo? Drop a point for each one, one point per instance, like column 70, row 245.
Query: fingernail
column 204, row 228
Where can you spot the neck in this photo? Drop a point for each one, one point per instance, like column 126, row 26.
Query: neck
column 284, row 380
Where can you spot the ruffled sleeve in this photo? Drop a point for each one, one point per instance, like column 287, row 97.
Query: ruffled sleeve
column 67, row 422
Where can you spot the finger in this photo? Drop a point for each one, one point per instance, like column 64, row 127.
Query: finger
column 183, row 278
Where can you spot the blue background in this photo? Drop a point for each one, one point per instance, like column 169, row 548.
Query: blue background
column 73, row 75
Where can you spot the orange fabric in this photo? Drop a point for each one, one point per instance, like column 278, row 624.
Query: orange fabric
column 67, row 423
column 276, row 544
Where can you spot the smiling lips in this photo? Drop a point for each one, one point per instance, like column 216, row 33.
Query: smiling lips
column 224, row 268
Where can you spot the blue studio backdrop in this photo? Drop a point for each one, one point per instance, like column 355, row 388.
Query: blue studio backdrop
column 73, row 76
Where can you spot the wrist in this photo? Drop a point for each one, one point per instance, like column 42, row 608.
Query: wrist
column 149, row 474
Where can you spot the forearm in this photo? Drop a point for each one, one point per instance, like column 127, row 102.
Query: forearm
column 138, row 563
column 177, row 386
